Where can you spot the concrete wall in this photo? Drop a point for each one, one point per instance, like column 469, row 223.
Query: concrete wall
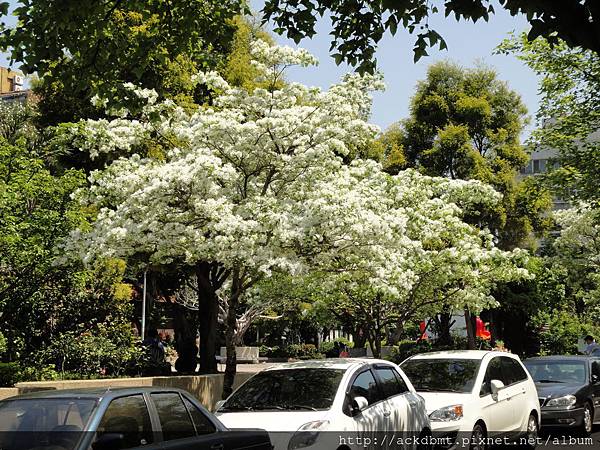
column 206, row 388
column 8, row 392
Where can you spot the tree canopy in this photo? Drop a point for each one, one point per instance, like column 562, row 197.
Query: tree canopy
column 358, row 25
column 466, row 124
column 569, row 113
column 78, row 49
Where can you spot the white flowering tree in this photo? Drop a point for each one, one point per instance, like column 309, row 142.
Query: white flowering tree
column 577, row 257
column 255, row 184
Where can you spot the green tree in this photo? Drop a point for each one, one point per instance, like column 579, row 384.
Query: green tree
column 82, row 48
column 40, row 297
column 466, row 124
column 358, row 25
column 569, row 112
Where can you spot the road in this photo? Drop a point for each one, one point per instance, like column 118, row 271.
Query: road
column 563, row 440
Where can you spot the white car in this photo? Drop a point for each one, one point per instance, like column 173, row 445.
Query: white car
column 333, row 404
column 475, row 397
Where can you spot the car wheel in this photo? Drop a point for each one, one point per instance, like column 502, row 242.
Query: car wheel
column 532, row 431
column 588, row 419
column 425, row 441
column 478, row 438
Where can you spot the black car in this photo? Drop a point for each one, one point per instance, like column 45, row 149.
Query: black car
column 569, row 390
column 124, row 418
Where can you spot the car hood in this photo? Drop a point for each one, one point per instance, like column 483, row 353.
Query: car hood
column 553, row 390
column 270, row 420
column 437, row 400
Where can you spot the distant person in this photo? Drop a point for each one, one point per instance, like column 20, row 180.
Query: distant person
column 592, row 348
column 156, row 353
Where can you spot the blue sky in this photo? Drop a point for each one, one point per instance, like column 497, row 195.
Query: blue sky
column 467, row 44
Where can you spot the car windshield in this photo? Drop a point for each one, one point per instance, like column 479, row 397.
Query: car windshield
column 287, row 389
column 37, row 423
column 557, row 371
column 442, row 375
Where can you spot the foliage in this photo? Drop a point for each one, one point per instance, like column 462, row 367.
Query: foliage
column 327, row 346
column 97, row 46
column 103, row 349
column 358, row 26
column 9, row 374
column 40, row 296
column 303, row 351
column 559, row 331
column 569, row 112
column 575, row 255
column 3, row 346
column 465, row 124
column 407, row 348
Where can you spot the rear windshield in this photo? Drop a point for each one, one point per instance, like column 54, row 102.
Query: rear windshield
column 287, row 389
column 442, row 375
column 45, row 414
column 56, row 424
column 557, row 371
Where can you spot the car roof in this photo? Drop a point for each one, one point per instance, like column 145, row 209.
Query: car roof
column 330, row 363
column 92, row 393
column 455, row 354
column 564, row 358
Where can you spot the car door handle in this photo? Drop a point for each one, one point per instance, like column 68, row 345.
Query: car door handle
column 216, row 447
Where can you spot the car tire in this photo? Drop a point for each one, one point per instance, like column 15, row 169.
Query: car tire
column 588, row 420
column 532, row 431
column 477, row 434
column 425, row 442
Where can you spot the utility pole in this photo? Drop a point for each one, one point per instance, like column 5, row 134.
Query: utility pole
column 144, row 308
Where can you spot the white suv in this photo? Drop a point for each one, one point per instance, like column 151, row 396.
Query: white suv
column 476, row 397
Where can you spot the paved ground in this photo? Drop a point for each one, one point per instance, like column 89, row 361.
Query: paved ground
column 564, row 440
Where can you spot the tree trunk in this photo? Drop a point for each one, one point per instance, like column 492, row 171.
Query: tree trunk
column 208, row 310
column 230, row 340
column 443, row 323
column 470, row 332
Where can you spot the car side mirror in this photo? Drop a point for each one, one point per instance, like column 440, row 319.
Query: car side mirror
column 495, row 386
column 109, row 441
column 219, row 404
column 359, row 404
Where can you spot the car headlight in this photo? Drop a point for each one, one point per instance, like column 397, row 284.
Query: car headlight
column 447, row 414
column 565, row 401
column 307, row 434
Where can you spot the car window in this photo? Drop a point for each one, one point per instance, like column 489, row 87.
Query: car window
column 389, row 382
column 512, row 371
column 556, row 371
column 364, row 385
column 128, row 416
column 403, row 386
column 596, row 368
column 287, row 389
column 175, row 420
column 202, row 423
column 441, row 375
column 493, row 372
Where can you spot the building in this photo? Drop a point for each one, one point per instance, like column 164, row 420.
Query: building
column 10, row 81
column 12, row 86
column 540, row 162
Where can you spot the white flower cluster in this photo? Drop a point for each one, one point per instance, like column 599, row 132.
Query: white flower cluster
column 260, row 186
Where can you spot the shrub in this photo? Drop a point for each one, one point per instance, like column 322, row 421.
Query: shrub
column 2, row 343
column 103, row 350
column 10, row 373
column 559, row 332
column 327, row 346
column 303, row 351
